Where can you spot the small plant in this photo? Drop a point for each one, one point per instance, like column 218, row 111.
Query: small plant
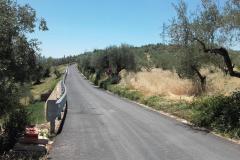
column 152, row 101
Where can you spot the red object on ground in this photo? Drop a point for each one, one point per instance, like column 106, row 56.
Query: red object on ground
column 31, row 132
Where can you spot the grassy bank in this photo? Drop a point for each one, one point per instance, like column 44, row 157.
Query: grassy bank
column 48, row 84
column 37, row 112
column 180, row 109
column 37, row 107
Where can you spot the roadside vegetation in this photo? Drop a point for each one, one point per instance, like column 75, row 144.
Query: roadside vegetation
column 26, row 77
column 20, row 64
column 39, row 94
column 194, row 76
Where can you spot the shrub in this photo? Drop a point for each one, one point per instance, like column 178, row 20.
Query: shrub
column 220, row 113
column 152, row 101
column 57, row 73
column 105, row 83
column 9, row 97
column 134, row 95
column 47, row 72
column 13, row 126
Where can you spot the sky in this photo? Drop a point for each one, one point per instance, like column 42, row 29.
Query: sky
column 76, row 26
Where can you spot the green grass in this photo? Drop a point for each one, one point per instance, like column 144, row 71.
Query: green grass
column 178, row 108
column 126, row 92
column 37, row 111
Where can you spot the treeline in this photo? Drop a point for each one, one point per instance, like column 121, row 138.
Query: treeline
column 64, row 60
column 197, row 41
column 110, row 61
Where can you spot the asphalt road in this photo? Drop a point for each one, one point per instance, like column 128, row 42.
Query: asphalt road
column 101, row 126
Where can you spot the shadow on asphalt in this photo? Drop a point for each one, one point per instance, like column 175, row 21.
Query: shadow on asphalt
column 194, row 128
column 63, row 120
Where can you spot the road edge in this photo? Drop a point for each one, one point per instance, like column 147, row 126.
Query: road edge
column 184, row 121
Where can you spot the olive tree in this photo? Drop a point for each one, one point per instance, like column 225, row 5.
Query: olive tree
column 205, row 36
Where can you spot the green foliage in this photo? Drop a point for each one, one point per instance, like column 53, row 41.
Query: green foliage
column 13, row 127
column 8, row 97
column 57, row 73
column 220, row 113
column 38, row 74
column 125, row 92
column 105, row 83
column 152, row 101
column 18, row 59
column 109, row 61
column 37, row 113
column 47, row 72
column 180, row 109
column 200, row 35
column 19, row 64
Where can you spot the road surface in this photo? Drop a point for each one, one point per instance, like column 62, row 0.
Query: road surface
column 101, row 126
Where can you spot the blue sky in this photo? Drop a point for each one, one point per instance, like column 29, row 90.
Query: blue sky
column 76, row 26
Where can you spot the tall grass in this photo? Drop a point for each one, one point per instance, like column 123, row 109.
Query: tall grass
column 159, row 82
column 167, row 83
column 37, row 112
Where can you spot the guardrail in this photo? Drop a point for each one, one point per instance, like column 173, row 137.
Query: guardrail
column 56, row 107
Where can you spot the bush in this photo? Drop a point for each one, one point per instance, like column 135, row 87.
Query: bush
column 219, row 113
column 57, row 73
column 105, row 83
column 152, row 101
column 109, row 81
column 9, row 97
column 134, row 95
column 13, row 126
column 47, row 72
column 125, row 92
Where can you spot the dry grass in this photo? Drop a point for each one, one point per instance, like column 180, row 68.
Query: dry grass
column 168, row 84
column 46, row 85
column 217, row 82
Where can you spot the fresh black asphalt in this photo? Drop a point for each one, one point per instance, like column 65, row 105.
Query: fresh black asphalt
column 101, row 126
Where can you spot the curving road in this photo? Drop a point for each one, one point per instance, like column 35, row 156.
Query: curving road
column 101, row 126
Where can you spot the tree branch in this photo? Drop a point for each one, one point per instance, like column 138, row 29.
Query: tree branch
column 202, row 78
column 222, row 52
